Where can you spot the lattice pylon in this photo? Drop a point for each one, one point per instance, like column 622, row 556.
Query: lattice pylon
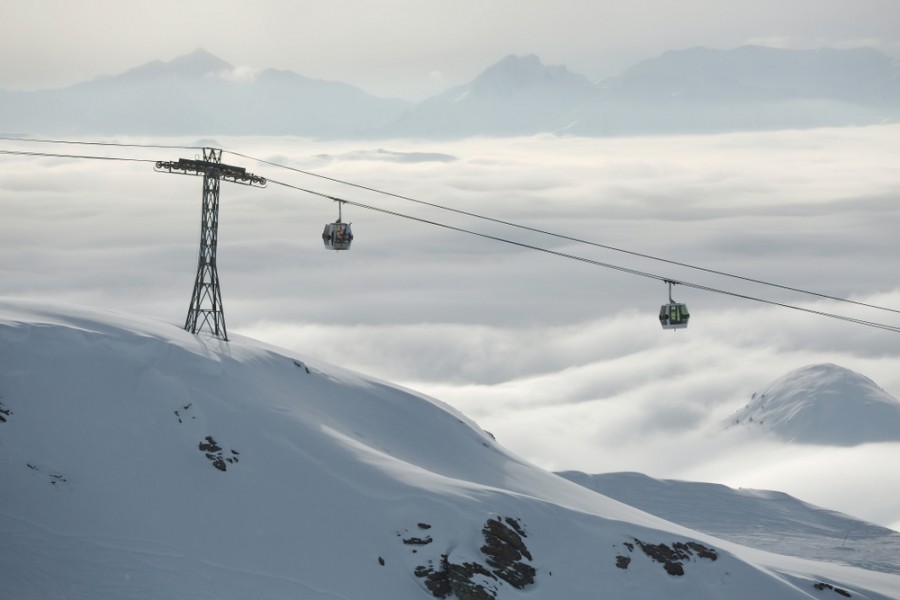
column 206, row 302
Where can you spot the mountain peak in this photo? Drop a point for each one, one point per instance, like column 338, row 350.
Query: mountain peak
column 198, row 61
column 824, row 404
column 193, row 65
column 514, row 61
column 514, row 73
column 517, row 95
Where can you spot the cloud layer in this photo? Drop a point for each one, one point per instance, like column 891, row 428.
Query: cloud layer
column 562, row 360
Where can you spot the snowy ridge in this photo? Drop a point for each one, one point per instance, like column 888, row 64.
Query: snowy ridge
column 773, row 521
column 139, row 461
column 823, row 404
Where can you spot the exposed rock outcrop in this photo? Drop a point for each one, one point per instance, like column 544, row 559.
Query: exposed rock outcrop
column 216, row 455
column 671, row 557
column 506, row 560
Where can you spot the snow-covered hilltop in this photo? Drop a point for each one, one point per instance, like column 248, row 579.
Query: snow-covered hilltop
column 139, row 461
column 823, row 404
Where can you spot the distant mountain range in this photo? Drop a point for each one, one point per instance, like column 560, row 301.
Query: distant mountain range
column 199, row 94
column 696, row 90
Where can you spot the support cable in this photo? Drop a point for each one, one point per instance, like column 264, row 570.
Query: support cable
column 449, row 209
column 492, row 237
column 87, row 143
column 73, row 156
column 567, row 237
column 589, row 260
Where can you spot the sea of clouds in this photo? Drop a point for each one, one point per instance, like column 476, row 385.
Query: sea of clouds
column 562, row 360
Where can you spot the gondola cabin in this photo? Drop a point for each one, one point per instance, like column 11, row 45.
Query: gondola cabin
column 337, row 236
column 674, row 315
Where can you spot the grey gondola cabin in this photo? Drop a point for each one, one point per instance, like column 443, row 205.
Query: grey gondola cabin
column 337, row 236
column 673, row 315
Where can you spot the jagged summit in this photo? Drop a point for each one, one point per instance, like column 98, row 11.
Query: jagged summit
column 823, row 404
column 198, row 61
column 517, row 74
column 517, row 95
column 194, row 65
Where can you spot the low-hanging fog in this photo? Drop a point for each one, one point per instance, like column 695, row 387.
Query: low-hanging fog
column 563, row 361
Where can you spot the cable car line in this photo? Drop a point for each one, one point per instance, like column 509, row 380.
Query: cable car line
column 590, row 261
column 566, row 237
column 86, row 143
column 505, row 240
column 800, row 308
column 470, row 214
column 76, row 156
column 470, row 232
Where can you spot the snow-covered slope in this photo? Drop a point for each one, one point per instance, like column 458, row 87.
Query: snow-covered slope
column 139, row 461
column 769, row 520
column 823, row 404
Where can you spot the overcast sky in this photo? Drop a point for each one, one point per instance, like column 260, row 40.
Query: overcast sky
column 411, row 48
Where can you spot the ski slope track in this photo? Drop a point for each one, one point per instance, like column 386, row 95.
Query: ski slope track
column 138, row 461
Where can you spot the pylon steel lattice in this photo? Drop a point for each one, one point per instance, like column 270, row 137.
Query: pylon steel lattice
column 206, row 301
